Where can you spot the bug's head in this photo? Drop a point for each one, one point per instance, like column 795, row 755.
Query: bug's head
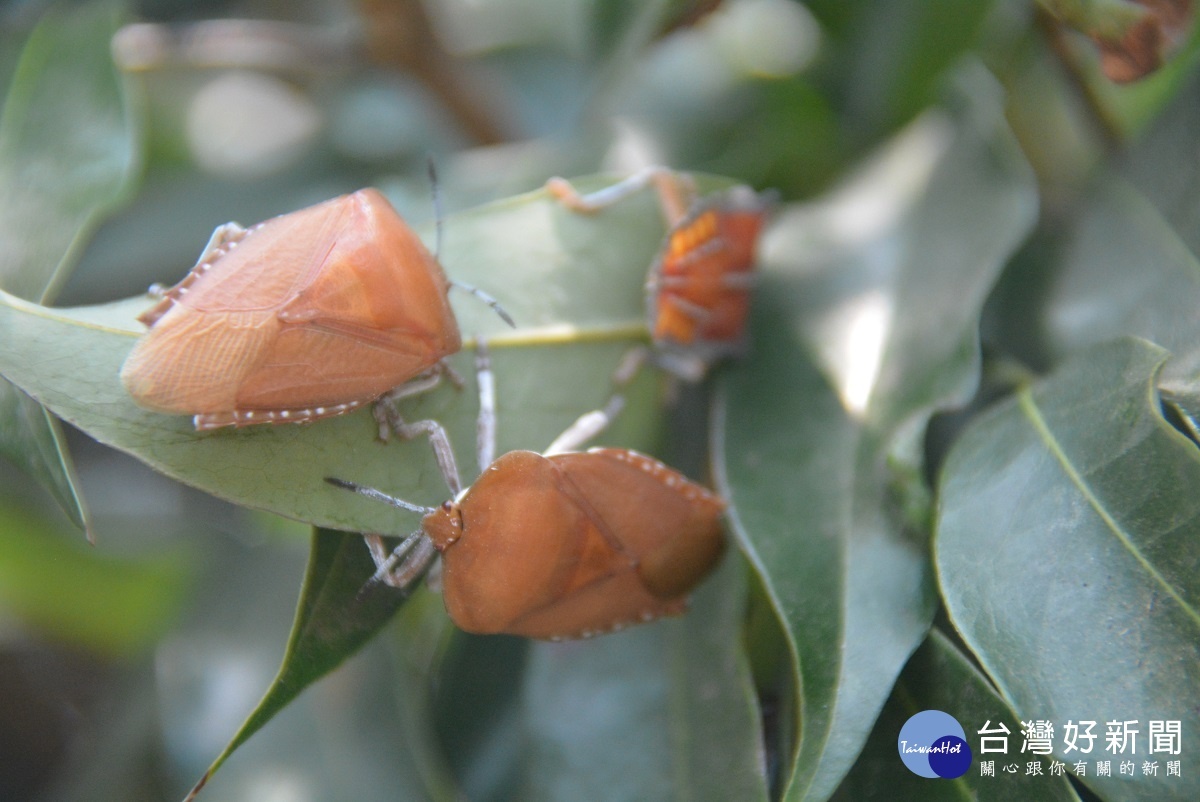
column 443, row 525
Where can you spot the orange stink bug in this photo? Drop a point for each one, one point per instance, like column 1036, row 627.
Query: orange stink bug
column 698, row 288
column 304, row 316
column 564, row 544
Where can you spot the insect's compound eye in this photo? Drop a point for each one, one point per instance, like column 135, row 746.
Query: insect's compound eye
column 447, row 505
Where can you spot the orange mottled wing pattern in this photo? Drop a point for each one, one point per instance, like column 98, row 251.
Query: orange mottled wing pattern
column 699, row 289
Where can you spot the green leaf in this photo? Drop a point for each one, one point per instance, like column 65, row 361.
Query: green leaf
column 1126, row 272
column 1161, row 165
column 939, row 677
column 573, row 282
column 33, row 441
column 664, row 711
column 891, row 61
column 1085, row 608
column 68, row 153
column 866, row 323
column 422, row 633
column 68, row 147
column 1169, row 36
column 334, row 619
column 113, row 606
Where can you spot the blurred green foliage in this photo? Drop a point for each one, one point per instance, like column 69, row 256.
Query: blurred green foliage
column 959, row 457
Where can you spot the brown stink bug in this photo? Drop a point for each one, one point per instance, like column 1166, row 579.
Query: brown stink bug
column 563, row 544
column 304, row 316
column 698, row 288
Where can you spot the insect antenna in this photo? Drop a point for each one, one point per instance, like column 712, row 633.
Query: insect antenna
column 487, row 299
column 379, row 495
column 438, row 215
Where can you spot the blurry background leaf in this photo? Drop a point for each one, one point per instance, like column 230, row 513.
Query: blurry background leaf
column 866, row 324
column 1121, row 261
column 669, row 706
column 334, row 619
column 1084, row 500
column 1134, row 37
column 1097, row 296
column 64, row 125
column 114, row 606
column 891, row 62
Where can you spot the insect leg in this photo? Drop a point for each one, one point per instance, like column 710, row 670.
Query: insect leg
column 224, row 237
column 439, row 441
column 404, row 565
column 409, row 561
column 387, row 416
column 586, row 426
column 592, row 423
column 443, row 452
column 676, row 192
column 485, row 426
column 630, row 365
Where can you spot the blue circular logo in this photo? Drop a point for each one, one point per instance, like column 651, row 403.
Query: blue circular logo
column 933, row 744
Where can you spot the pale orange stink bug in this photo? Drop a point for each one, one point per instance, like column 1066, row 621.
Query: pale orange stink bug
column 304, row 316
column 698, row 288
column 563, row 544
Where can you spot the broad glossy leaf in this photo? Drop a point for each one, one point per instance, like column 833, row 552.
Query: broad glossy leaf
column 68, row 151
column 334, row 619
column 1083, row 499
column 664, row 711
column 573, row 282
column 113, row 606
column 866, row 323
column 939, row 677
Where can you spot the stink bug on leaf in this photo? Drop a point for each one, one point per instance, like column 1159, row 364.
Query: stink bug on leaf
column 698, row 288
column 304, row 316
column 563, row 544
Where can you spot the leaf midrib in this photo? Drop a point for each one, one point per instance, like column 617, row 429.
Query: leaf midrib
column 633, row 329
